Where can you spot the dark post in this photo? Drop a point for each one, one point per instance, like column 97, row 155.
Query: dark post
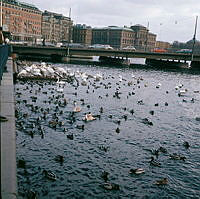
column 43, row 42
column 194, row 38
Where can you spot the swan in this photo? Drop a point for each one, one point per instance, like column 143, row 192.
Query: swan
column 120, row 78
column 77, row 109
column 60, row 82
column 89, row 117
column 182, row 92
column 60, row 90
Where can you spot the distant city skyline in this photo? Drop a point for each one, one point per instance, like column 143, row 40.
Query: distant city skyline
column 171, row 20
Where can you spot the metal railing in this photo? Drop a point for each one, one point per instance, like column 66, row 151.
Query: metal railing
column 4, row 51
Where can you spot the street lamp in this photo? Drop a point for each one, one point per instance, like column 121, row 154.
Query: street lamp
column 1, row 14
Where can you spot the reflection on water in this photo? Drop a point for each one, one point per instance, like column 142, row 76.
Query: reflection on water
column 127, row 100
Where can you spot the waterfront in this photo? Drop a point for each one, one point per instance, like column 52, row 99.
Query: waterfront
column 98, row 147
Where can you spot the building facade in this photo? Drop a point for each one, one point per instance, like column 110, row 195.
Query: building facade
column 117, row 37
column 56, row 27
column 82, row 34
column 151, row 41
column 144, row 40
column 163, row 44
column 22, row 20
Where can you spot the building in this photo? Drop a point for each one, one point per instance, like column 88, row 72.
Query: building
column 144, row 40
column 82, row 34
column 56, row 27
column 22, row 20
column 163, row 44
column 151, row 41
column 117, row 37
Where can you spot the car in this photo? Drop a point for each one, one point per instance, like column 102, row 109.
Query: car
column 72, row 45
column 184, row 51
column 159, row 50
column 101, row 46
column 131, row 48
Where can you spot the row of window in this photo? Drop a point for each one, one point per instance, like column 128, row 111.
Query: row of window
column 20, row 8
column 11, row 12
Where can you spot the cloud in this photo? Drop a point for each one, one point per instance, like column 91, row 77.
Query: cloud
column 126, row 12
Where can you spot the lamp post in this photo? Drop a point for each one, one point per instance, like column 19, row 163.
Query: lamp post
column 146, row 42
column 69, row 33
column 194, row 38
column 1, row 15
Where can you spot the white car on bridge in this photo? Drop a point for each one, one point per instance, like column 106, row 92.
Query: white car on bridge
column 101, row 46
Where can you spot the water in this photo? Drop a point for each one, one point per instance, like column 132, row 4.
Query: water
column 84, row 158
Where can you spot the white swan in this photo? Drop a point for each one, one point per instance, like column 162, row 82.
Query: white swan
column 60, row 82
column 60, row 90
column 183, row 92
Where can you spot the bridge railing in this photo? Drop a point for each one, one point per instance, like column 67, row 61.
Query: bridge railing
column 4, row 52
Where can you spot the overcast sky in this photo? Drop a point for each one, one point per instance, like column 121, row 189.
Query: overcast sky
column 171, row 20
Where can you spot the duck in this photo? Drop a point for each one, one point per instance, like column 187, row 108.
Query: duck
column 147, row 121
column 166, row 104
column 163, row 181
column 154, row 162
column 21, row 163
column 117, row 130
column 70, row 136
column 82, row 127
column 192, row 100
column 101, row 110
column 132, row 111
column 137, row 171
column 50, row 175
column 151, row 112
column 111, row 186
column 158, row 86
column 186, row 144
column 162, row 149
column 155, row 152
column 104, row 175
column 176, row 156
column 104, row 148
column 59, row 158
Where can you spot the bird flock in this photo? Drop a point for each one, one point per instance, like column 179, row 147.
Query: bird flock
column 47, row 100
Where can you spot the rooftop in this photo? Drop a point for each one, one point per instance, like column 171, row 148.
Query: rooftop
column 22, row 4
column 113, row 28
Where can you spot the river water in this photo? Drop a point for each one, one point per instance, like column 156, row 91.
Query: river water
column 99, row 146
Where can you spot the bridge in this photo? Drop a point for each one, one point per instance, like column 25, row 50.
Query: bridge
column 49, row 51
column 44, row 51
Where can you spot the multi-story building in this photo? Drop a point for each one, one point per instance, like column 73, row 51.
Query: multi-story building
column 144, row 40
column 56, row 27
column 151, row 41
column 82, row 34
column 117, row 37
column 22, row 20
column 163, row 44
